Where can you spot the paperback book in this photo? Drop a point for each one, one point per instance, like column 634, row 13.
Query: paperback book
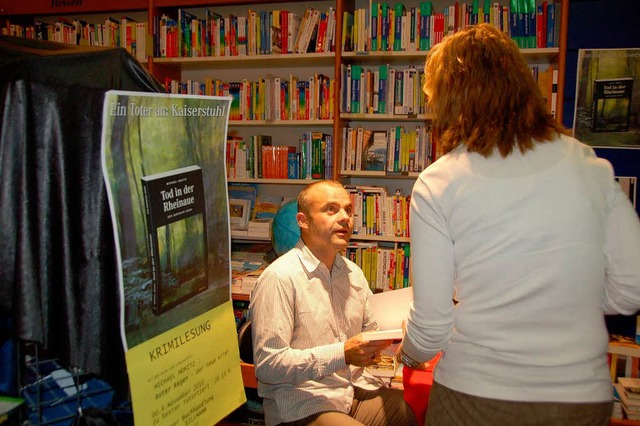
column 176, row 223
column 611, row 111
column 390, row 309
column 375, row 151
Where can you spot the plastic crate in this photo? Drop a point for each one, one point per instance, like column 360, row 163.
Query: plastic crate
column 55, row 399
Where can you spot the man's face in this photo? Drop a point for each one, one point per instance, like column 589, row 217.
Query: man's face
column 330, row 220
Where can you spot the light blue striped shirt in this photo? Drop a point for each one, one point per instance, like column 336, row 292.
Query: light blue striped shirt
column 301, row 316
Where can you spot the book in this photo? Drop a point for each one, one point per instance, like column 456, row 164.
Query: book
column 375, row 151
column 611, row 111
column 248, row 191
column 393, row 334
column 259, row 228
column 266, row 207
column 390, row 309
column 631, row 386
column 177, row 235
column 239, row 212
column 630, row 402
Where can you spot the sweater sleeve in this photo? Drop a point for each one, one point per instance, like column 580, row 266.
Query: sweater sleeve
column 430, row 321
column 622, row 286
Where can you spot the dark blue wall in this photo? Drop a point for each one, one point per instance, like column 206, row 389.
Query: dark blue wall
column 603, row 24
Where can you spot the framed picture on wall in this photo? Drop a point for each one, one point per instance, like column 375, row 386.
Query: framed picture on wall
column 239, row 212
column 607, row 110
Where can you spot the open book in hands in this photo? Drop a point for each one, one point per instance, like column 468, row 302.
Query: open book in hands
column 390, row 309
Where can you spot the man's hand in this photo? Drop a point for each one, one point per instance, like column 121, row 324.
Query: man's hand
column 361, row 353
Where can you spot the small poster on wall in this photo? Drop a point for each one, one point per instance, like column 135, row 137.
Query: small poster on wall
column 607, row 111
column 163, row 159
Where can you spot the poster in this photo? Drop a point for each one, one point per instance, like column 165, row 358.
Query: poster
column 163, row 159
column 607, row 110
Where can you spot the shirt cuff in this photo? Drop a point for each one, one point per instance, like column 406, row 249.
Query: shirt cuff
column 415, row 353
column 335, row 358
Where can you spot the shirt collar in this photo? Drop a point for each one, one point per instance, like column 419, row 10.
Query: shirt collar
column 310, row 262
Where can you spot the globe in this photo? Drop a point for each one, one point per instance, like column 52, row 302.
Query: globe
column 285, row 231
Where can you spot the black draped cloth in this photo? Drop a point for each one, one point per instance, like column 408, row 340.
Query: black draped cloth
column 58, row 266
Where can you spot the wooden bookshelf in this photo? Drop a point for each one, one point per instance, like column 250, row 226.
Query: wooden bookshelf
column 331, row 63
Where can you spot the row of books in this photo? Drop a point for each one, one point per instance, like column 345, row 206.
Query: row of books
column 382, row 90
column 395, row 27
column 396, row 150
column 385, row 265
column 547, row 80
column 112, row 32
column 382, row 27
column 256, row 33
column 257, row 157
column 271, row 99
column 378, row 213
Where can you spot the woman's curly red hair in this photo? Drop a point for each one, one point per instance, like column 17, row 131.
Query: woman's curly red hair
column 483, row 94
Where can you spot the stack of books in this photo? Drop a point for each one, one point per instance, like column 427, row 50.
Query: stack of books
column 629, row 390
column 259, row 228
column 616, row 413
column 246, row 267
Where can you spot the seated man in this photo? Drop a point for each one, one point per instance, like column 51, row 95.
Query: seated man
column 308, row 311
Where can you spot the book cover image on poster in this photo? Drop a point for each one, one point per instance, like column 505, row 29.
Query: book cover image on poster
column 611, row 111
column 177, row 232
column 607, row 108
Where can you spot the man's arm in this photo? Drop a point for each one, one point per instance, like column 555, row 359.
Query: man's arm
column 273, row 323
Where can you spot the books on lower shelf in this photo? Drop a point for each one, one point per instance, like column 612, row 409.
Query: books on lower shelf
column 386, row 368
column 246, row 267
column 386, row 265
column 628, row 390
column 617, row 412
column 623, row 357
column 631, row 386
column 260, row 228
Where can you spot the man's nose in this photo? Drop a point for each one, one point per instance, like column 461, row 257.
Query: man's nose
column 344, row 215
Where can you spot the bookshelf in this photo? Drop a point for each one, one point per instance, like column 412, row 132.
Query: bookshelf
column 284, row 132
column 372, row 58
column 332, row 63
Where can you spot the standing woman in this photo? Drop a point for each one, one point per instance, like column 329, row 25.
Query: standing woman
column 532, row 233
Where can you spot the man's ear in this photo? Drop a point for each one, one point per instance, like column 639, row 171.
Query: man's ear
column 302, row 220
